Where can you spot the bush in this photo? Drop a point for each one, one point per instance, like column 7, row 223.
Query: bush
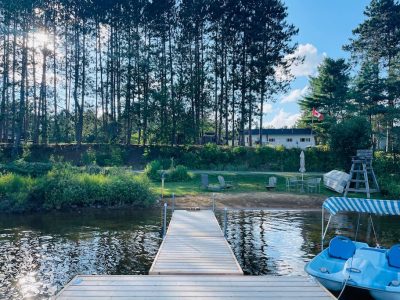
column 21, row 167
column 179, row 173
column 89, row 156
column 15, row 192
column 389, row 185
column 65, row 187
column 153, row 169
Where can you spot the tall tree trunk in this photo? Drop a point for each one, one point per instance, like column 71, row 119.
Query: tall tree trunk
column 43, row 98
column 76, row 85
column 4, row 100
column 14, row 82
column 56, row 126
column 128, row 121
column 21, row 111
column 36, row 101
column 261, row 111
column 172, row 95
column 243, row 91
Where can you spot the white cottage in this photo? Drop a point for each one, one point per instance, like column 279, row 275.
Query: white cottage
column 289, row 138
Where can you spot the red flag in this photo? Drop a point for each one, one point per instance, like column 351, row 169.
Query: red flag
column 317, row 114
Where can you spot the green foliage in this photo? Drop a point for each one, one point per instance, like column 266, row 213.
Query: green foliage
column 177, row 174
column 389, row 185
column 89, row 156
column 116, row 157
column 22, row 167
column 350, row 135
column 153, row 169
column 65, row 187
column 15, row 191
column 328, row 94
column 109, row 155
column 94, row 169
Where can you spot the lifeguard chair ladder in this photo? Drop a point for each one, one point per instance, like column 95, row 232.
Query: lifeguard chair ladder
column 362, row 174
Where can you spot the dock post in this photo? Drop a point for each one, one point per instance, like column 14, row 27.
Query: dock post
column 225, row 221
column 173, row 202
column 165, row 220
column 213, row 202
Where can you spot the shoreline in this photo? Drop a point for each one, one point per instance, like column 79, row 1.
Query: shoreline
column 251, row 201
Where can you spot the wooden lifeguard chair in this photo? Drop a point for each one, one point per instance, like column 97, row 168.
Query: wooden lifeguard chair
column 362, row 176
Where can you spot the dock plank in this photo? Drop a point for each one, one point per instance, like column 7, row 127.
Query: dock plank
column 194, row 244
column 193, row 287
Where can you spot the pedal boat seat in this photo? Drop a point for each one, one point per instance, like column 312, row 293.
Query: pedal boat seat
column 393, row 256
column 342, row 248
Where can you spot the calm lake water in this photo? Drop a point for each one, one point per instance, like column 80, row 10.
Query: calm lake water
column 40, row 253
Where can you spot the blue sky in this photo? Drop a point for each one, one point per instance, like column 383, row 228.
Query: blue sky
column 324, row 27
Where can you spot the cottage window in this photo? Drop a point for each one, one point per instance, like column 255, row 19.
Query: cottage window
column 271, row 140
column 303, row 140
column 289, row 140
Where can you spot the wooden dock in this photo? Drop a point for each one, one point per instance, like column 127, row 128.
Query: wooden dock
column 195, row 245
column 194, row 262
column 156, row 287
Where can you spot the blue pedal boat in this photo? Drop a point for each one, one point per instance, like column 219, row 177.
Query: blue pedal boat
column 350, row 263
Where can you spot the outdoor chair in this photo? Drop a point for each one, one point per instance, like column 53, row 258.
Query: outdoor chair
column 206, row 185
column 313, row 185
column 224, row 184
column 271, row 184
column 292, row 184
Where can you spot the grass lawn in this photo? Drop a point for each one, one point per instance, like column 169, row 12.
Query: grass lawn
column 243, row 183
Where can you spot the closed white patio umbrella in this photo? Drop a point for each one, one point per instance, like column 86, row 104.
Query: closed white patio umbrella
column 302, row 169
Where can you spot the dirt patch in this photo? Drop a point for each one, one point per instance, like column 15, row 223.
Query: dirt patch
column 256, row 200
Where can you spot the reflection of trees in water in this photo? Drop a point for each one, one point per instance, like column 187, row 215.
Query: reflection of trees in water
column 38, row 262
column 247, row 236
column 311, row 232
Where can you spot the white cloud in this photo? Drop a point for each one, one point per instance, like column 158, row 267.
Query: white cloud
column 268, row 108
column 294, row 95
column 283, row 119
column 311, row 60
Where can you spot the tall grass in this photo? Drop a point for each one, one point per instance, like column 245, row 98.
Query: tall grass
column 65, row 187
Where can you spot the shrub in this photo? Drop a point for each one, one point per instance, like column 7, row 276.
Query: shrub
column 65, row 186
column 94, row 169
column 179, row 173
column 89, row 156
column 21, row 167
column 389, row 185
column 15, row 192
column 153, row 169
column 116, row 157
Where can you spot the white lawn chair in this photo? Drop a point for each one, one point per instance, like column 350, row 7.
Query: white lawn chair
column 313, row 185
column 206, row 185
column 224, row 184
column 292, row 184
column 271, row 183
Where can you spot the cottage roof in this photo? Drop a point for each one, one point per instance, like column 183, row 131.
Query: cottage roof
column 281, row 131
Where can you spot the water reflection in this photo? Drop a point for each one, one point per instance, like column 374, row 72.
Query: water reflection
column 282, row 242
column 40, row 253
